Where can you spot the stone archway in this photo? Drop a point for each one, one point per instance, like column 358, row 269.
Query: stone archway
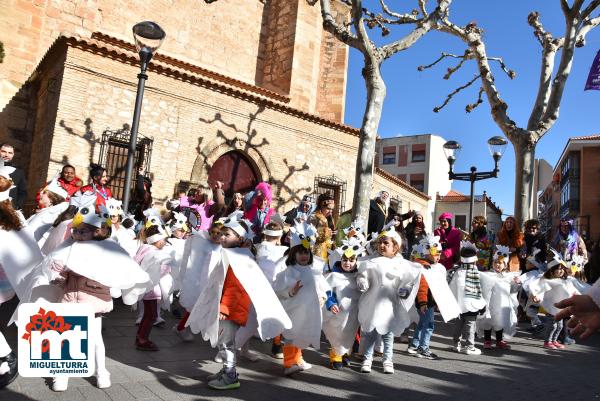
column 240, row 150
column 236, row 171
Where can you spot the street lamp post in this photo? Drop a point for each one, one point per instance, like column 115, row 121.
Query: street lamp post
column 496, row 145
column 148, row 38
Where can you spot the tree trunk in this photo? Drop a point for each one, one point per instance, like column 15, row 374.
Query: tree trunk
column 366, row 147
column 525, row 165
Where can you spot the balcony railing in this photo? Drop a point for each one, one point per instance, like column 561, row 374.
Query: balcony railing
column 569, row 208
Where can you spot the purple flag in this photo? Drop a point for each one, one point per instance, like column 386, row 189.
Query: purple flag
column 593, row 81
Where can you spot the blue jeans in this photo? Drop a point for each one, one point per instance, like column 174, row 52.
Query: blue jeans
column 424, row 330
column 371, row 337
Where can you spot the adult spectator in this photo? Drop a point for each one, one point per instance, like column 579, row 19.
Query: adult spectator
column 483, row 242
column 568, row 242
column 98, row 185
column 593, row 266
column 380, row 213
column 449, row 239
column 414, row 231
column 324, row 222
column 301, row 212
column 258, row 208
column 534, row 239
column 19, row 193
column 142, row 195
column 203, row 204
column 510, row 235
column 68, row 180
column 236, row 204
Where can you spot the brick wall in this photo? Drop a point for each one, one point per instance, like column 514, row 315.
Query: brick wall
column 191, row 127
column 243, row 39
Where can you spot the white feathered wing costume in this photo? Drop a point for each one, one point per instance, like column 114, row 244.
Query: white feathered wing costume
column 204, row 316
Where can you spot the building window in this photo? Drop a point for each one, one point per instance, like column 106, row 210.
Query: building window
column 389, row 158
column 418, row 156
column 113, row 156
column 460, row 221
column 418, row 181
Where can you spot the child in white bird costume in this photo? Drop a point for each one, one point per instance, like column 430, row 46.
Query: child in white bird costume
column 465, row 284
column 302, row 289
column 500, row 287
column 235, row 283
column 549, row 289
column 433, row 291
column 340, row 313
column 389, row 285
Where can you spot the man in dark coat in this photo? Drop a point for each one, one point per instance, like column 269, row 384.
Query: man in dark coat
column 381, row 213
column 19, row 193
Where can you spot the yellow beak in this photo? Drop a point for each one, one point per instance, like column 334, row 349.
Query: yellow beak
column 77, row 220
column 433, row 251
column 305, row 243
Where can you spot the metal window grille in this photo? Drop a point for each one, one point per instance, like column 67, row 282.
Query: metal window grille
column 335, row 187
column 113, row 156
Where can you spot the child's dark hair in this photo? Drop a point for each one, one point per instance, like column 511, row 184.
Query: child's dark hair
column 152, row 230
column 127, row 223
column 551, row 272
column 99, row 236
column 96, row 170
column 293, row 251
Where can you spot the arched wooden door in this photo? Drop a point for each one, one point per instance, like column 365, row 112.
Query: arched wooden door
column 236, row 171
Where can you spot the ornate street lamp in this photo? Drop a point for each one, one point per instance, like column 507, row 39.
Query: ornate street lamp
column 496, row 145
column 148, row 37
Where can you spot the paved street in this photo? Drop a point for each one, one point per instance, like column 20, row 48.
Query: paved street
column 178, row 371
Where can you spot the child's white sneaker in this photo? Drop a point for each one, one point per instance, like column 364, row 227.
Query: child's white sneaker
column 388, row 367
column 302, row 366
column 60, row 384
column 103, row 380
column 366, row 366
column 472, row 351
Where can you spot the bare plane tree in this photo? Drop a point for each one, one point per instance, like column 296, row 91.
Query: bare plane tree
column 578, row 22
column 355, row 33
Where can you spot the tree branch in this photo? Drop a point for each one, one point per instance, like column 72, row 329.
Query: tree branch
column 343, row 34
column 470, row 107
column 538, row 29
column 400, row 18
column 423, row 7
column 422, row 28
column 589, row 9
column 586, row 26
column 454, row 92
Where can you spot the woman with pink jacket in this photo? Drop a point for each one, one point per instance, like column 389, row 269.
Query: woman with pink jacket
column 449, row 239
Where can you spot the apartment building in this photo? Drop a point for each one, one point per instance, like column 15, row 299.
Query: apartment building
column 419, row 161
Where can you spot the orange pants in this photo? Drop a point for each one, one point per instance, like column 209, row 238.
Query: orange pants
column 291, row 355
column 277, row 340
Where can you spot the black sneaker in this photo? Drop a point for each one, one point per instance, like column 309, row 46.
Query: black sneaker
column 336, row 365
column 427, row 354
column 277, row 351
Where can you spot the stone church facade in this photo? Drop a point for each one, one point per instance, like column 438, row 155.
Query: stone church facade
column 240, row 91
